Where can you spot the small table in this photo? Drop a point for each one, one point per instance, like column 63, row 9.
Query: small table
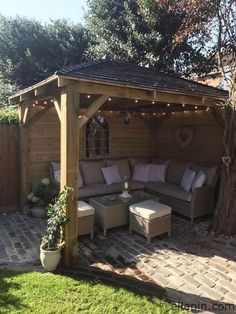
column 113, row 211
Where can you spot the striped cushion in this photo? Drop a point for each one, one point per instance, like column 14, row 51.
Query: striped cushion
column 199, row 180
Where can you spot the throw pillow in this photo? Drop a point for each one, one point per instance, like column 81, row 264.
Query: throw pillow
column 111, row 174
column 187, row 179
column 141, row 172
column 199, row 180
column 57, row 175
column 157, row 173
column 57, row 178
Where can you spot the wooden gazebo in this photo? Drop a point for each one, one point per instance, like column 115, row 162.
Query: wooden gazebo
column 78, row 92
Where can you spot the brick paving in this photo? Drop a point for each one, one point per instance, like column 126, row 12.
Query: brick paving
column 192, row 268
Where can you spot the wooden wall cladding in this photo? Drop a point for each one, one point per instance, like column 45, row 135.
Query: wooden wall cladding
column 44, row 144
column 9, row 192
column 206, row 147
column 133, row 139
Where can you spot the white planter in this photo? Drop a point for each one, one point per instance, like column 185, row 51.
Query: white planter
column 39, row 212
column 50, row 259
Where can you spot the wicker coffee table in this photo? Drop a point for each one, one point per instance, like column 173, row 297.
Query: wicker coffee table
column 113, row 211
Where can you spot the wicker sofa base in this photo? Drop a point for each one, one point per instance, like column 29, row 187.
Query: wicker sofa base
column 149, row 228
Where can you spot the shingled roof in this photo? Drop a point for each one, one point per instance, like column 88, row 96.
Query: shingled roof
column 122, row 73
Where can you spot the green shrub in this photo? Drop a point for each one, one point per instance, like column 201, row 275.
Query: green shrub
column 9, row 114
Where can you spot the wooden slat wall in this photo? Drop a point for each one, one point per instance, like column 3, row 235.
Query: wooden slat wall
column 125, row 140
column 206, row 148
column 44, row 144
column 9, row 193
column 133, row 139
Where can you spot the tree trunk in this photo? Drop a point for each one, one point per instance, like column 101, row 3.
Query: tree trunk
column 224, row 221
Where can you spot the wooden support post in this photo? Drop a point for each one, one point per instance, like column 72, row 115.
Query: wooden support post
column 24, row 167
column 96, row 104
column 69, row 167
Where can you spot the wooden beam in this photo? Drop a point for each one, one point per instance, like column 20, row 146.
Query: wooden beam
column 69, row 167
column 142, row 94
column 24, row 169
column 57, row 107
column 39, row 91
column 25, row 97
column 15, row 98
column 62, row 82
column 95, row 105
column 27, row 114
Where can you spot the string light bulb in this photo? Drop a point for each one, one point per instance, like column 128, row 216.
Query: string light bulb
column 183, row 105
column 88, row 96
column 153, row 102
column 136, row 100
column 109, row 99
column 196, row 107
column 45, row 102
column 168, row 105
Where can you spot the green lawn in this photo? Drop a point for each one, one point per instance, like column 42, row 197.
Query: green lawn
column 49, row 293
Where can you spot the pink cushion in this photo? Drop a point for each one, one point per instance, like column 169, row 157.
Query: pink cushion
column 141, row 172
column 111, row 174
column 157, row 173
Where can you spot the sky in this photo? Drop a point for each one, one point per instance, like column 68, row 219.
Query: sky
column 44, row 10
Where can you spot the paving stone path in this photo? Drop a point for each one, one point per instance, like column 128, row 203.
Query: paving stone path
column 192, row 268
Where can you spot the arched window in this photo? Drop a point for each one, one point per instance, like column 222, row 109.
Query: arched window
column 97, row 138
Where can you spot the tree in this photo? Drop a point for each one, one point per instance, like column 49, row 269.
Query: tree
column 142, row 32
column 214, row 23
column 31, row 51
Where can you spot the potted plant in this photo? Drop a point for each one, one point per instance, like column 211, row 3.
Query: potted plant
column 53, row 241
column 42, row 194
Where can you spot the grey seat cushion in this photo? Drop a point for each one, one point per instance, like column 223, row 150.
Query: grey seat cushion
column 170, row 189
column 99, row 189
column 122, row 165
column 91, row 171
column 210, row 172
column 175, row 171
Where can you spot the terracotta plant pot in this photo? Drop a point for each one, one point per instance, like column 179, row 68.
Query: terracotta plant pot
column 39, row 212
column 50, row 259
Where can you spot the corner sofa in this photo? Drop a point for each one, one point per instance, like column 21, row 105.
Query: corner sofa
column 194, row 204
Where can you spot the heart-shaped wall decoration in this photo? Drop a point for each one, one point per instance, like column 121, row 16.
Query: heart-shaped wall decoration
column 226, row 160
column 184, row 135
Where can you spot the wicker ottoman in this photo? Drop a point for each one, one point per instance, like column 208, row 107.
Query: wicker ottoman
column 85, row 219
column 150, row 218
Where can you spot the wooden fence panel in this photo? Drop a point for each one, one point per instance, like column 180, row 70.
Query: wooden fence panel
column 9, row 175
